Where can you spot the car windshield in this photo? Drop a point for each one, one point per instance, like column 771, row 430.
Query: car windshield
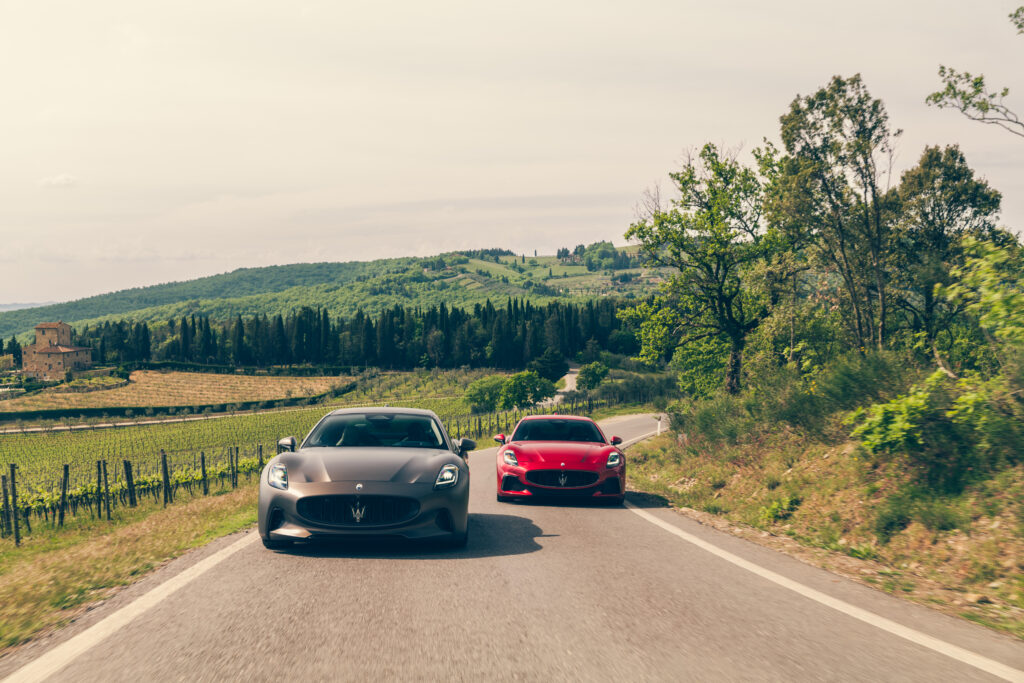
column 557, row 430
column 376, row 430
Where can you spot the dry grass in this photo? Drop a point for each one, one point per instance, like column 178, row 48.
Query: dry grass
column 53, row 576
column 821, row 502
column 150, row 388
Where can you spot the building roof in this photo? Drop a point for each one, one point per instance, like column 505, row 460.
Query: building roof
column 61, row 349
column 52, row 326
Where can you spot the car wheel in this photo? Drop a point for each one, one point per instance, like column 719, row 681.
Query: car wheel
column 275, row 545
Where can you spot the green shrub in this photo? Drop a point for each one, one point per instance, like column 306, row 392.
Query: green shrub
column 856, row 378
column 947, row 432
column 938, row 515
column 893, row 517
column 780, row 508
column 721, row 418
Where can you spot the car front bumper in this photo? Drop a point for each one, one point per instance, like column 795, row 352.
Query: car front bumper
column 519, row 481
column 283, row 516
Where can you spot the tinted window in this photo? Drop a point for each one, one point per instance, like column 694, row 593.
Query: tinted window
column 369, row 430
column 557, row 430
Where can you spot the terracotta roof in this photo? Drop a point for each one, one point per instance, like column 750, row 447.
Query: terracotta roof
column 62, row 349
column 52, row 326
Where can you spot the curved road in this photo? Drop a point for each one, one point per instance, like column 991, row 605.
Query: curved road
column 543, row 592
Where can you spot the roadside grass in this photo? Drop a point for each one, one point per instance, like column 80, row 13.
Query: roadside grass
column 52, row 578
column 963, row 553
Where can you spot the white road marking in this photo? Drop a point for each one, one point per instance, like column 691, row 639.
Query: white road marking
column 52, row 661
column 991, row 666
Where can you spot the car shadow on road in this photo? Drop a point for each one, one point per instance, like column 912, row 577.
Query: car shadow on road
column 647, row 500
column 489, row 536
column 637, row 499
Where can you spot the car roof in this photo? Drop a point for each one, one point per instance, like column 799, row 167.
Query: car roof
column 384, row 410
column 557, row 416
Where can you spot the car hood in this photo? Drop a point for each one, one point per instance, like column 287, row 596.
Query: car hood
column 404, row 465
column 554, row 453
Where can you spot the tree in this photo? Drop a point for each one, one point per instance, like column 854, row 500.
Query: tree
column 836, row 179
column 969, row 94
column 941, row 202
column 550, row 365
column 14, row 348
column 483, row 394
column 591, row 375
column 714, row 237
column 525, row 389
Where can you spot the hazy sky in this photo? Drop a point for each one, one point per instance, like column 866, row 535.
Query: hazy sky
column 147, row 142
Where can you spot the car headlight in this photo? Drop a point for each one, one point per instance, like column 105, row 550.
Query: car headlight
column 510, row 458
column 277, row 476
column 614, row 459
column 447, row 477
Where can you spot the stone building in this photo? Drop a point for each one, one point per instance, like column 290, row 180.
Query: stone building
column 53, row 356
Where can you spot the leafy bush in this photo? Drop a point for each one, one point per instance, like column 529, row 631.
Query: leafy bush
column 483, row 394
column 946, row 432
column 856, row 378
column 525, row 389
column 916, row 503
column 591, row 375
column 779, row 509
column 893, row 517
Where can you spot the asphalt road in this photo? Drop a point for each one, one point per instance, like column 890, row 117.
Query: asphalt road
column 542, row 592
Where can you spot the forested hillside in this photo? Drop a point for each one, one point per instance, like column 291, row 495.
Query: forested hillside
column 504, row 336
column 457, row 279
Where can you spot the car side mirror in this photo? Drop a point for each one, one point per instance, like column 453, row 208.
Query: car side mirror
column 616, row 440
column 287, row 444
column 500, row 438
column 465, row 445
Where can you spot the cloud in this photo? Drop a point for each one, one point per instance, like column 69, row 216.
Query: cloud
column 59, row 180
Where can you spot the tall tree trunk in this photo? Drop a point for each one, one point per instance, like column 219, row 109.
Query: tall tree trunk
column 735, row 367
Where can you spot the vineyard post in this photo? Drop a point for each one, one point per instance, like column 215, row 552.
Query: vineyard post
column 130, row 481
column 202, row 466
column 99, row 489
column 166, row 477
column 106, row 490
column 259, row 455
column 63, row 496
column 14, row 505
column 234, row 470
column 5, row 517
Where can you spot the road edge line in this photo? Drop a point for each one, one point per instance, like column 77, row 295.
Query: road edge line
column 956, row 652
column 52, row 661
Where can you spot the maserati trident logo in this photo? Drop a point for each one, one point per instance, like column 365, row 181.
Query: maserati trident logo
column 359, row 487
column 358, row 512
column 562, row 478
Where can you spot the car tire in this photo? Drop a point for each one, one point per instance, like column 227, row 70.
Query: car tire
column 275, row 545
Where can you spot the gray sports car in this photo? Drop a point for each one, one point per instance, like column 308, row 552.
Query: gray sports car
column 367, row 472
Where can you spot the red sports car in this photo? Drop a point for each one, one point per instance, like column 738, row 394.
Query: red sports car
column 560, row 456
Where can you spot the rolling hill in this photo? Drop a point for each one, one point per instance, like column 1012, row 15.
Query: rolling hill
column 457, row 279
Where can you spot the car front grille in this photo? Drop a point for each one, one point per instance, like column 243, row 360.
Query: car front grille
column 561, row 479
column 359, row 511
